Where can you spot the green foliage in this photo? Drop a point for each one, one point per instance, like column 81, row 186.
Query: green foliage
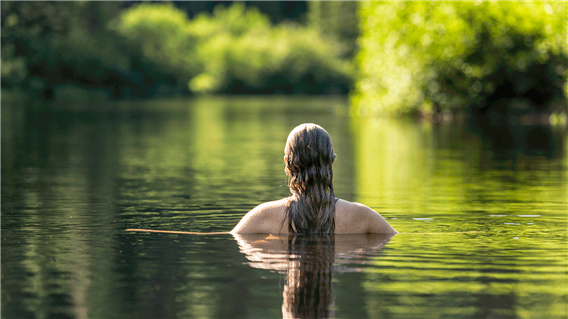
column 154, row 49
column 337, row 20
column 236, row 51
column 45, row 44
column 159, row 33
column 27, row 30
column 433, row 56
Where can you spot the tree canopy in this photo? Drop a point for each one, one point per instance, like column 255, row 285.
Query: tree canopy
column 433, row 56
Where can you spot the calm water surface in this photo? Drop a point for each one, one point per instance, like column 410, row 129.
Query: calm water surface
column 482, row 214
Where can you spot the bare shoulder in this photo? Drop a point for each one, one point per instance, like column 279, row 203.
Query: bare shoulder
column 266, row 218
column 357, row 218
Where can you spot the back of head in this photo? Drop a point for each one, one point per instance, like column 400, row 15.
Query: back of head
column 309, row 157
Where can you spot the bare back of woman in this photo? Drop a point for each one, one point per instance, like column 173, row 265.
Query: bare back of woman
column 312, row 208
column 350, row 218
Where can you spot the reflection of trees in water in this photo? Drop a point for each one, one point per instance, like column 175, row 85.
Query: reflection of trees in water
column 507, row 139
column 308, row 291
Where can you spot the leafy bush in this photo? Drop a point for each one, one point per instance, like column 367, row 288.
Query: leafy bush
column 236, row 51
column 433, row 56
column 159, row 31
column 45, row 44
column 152, row 49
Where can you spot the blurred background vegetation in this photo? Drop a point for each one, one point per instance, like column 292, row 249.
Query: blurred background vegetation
column 149, row 49
column 490, row 59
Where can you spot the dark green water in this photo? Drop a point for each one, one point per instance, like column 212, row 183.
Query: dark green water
column 72, row 181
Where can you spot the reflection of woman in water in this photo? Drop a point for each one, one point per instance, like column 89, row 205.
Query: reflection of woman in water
column 312, row 208
column 308, row 293
column 308, row 264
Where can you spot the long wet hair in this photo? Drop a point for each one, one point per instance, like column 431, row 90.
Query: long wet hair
column 309, row 156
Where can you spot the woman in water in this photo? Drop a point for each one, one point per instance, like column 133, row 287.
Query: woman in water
column 312, row 209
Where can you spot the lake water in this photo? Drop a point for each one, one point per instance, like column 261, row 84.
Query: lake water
column 482, row 214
